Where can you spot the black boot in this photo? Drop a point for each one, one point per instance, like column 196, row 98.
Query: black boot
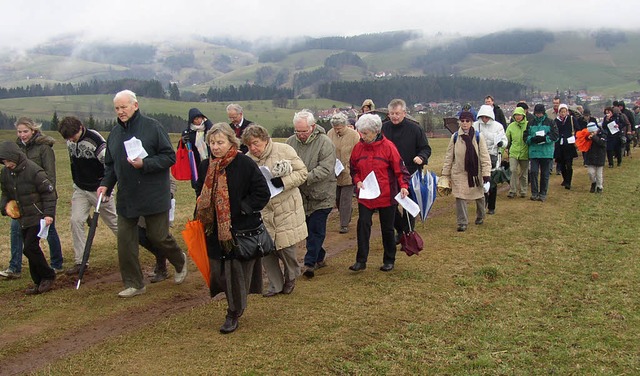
column 593, row 188
column 230, row 323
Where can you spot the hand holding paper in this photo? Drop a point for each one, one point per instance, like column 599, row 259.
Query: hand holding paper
column 135, row 149
column 408, row 204
column 268, row 176
column 370, row 187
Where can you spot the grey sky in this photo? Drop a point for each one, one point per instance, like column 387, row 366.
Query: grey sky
column 27, row 22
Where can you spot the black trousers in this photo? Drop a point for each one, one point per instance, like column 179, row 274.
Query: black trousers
column 38, row 265
column 386, row 216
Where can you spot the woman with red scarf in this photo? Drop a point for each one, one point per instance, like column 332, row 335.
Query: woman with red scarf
column 467, row 164
column 231, row 192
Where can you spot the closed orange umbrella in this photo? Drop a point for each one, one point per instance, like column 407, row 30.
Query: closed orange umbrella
column 583, row 143
column 193, row 235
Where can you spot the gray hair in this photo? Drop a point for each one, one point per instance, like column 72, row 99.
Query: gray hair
column 339, row 119
column 234, row 107
column 255, row 131
column 370, row 123
column 305, row 114
column 397, row 102
column 226, row 130
column 128, row 93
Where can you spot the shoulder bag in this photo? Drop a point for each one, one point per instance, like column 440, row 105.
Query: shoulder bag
column 252, row 244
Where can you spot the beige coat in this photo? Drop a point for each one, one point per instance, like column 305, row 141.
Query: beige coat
column 344, row 145
column 454, row 167
column 284, row 214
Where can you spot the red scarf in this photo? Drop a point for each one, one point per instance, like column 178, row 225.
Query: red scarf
column 216, row 191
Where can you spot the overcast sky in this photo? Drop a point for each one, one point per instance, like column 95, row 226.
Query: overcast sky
column 27, row 22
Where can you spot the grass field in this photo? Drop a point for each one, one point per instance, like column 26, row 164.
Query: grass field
column 539, row 288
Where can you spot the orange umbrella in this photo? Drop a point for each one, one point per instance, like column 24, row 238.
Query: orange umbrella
column 193, row 235
column 583, row 143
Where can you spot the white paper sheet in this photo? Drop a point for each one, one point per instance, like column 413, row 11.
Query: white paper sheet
column 540, row 133
column 408, row 204
column 339, row 167
column 486, row 187
column 272, row 188
column 172, row 210
column 135, row 149
column 44, row 229
column 370, row 187
column 571, row 140
column 613, row 127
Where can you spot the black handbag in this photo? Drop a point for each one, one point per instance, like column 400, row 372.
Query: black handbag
column 252, row 244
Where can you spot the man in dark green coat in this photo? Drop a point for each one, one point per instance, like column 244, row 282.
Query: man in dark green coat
column 143, row 190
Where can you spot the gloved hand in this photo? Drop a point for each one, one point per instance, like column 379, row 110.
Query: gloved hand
column 500, row 144
column 485, row 179
column 277, row 182
column 538, row 139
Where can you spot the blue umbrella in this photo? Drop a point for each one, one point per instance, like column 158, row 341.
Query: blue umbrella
column 423, row 190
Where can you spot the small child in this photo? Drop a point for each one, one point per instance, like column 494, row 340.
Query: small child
column 595, row 156
column 23, row 181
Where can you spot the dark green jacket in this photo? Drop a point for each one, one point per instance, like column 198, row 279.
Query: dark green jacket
column 40, row 150
column 28, row 184
column 143, row 191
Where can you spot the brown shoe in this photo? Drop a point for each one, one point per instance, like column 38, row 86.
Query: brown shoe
column 33, row 290
column 45, row 285
column 288, row 287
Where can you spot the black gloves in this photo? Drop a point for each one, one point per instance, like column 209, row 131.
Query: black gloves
column 500, row 144
column 277, row 182
column 538, row 139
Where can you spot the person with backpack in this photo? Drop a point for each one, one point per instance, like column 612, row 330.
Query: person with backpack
column 541, row 138
column 468, row 166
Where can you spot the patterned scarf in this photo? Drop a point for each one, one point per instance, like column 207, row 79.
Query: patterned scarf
column 201, row 144
column 216, row 192
column 471, row 158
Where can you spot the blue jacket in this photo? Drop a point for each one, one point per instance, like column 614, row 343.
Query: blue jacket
column 544, row 149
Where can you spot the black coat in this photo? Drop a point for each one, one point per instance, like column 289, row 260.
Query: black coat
column 29, row 185
column 189, row 135
column 410, row 140
column 248, row 194
column 564, row 151
column 597, row 154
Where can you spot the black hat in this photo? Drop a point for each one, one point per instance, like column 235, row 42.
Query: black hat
column 539, row 109
column 523, row 105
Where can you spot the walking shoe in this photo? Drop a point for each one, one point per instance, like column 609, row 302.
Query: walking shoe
column 344, row 229
column 479, row 221
column 386, row 267
column 33, row 290
column 181, row 275
column 511, row 195
column 598, row 190
column 462, row 228
column 230, row 325
column 159, row 276
column 74, row 269
column 10, row 274
column 309, row 272
column 534, row 198
column 58, row 270
column 358, row 266
column 491, row 211
column 130, row 292
column 45, row 285
column 321, row 264
column 288, row 287
column 593, row 188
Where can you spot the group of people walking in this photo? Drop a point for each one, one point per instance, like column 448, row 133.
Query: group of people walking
column 243, row 179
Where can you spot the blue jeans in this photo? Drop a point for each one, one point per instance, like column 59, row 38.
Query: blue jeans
column 55, row 249
column 543, row 166
column 317, row 229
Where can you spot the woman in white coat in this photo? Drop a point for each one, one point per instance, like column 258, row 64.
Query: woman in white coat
column 284, row 214
column 468, row 166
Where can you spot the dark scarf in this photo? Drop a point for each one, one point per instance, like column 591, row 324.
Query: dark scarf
column 471, row 158
column 216, row 191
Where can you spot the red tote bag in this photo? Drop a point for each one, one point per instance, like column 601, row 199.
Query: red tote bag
column 181, row 169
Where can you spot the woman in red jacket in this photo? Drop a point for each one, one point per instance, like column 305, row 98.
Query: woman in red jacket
column 376, row 155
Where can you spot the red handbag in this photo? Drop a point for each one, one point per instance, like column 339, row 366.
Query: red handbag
column 411, row 242
column 181, row 169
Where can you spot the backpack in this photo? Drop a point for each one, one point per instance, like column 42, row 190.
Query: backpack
column 455, row 137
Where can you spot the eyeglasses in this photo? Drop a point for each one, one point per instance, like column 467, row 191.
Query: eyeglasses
column 302, row 132
column 466, row 121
